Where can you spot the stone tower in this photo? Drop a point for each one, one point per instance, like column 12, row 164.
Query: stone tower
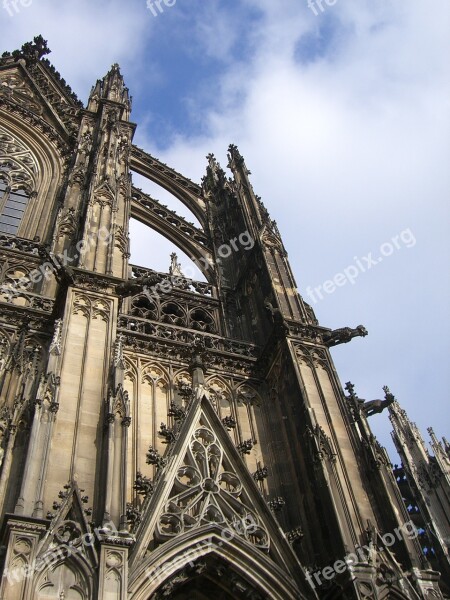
column 163, row 437
column 424, row 480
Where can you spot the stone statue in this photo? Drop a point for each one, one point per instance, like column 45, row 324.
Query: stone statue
column 175, row 266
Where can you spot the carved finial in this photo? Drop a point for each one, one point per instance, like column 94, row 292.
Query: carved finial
column 295, row 535
column 33, row 51
column 350, row 388
column 197, row 364
column 260, row 474
column 55, row 346
column 433, row 437
column 215, row 174
column 245, row 447
column 234, row 155
column 143, row 485
column 119, row 361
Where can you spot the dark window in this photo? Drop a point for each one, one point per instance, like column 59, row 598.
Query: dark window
column 12, row 207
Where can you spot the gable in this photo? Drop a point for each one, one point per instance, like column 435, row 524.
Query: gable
column 205, row 484
column 34, row 93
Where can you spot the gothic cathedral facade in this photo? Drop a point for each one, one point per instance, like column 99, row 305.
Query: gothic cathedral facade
column 162, row 437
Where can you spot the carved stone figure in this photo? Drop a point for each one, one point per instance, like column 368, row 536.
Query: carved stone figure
column 175, row 266
column 343, row 335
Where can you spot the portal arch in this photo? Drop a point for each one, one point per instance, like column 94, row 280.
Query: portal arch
column 207, row 555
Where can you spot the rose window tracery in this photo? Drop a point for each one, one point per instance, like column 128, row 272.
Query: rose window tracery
column 207, row 491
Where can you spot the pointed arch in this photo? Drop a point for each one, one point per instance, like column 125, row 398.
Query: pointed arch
column 176, row 231
column 71, row 577
column 204, row 485
column 192, row 240
column 257, row 570
column 221, row 397
column 188, row 192
column 42, row 168
column 152, row 248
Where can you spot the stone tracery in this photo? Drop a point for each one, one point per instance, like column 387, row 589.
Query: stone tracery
column 205, row 491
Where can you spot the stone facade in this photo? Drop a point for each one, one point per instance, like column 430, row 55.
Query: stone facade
column 162, row 437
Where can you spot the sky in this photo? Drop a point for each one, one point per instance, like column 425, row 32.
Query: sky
column 342, row 115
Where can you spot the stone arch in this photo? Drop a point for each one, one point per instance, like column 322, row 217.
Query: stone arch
column 173, row 313
column 192, row 240
column 171, row 565
column 182, row 387
column 202, row 320
column 45, row 167
column 155, row 372
column 144, row 307
column 15, row 272
column 71, row 577
column 220, row 395
column 189, row 193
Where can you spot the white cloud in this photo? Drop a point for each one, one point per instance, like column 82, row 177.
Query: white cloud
column 347, row 140
column 347, row 151
column 85, row 37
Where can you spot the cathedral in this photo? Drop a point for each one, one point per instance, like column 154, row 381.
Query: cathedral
column 167, row 438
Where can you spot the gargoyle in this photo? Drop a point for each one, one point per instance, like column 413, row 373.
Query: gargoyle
column 343, row 335
column 373, row 407
column 137, row 285
column 275, row 313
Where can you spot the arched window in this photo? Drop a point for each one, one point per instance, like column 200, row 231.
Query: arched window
column 12, row 207
column 18, row 179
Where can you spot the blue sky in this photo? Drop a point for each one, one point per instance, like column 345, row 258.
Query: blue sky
column 343, row 118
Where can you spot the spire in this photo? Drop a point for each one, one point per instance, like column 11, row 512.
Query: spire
column 111, row 87
column 406, row 433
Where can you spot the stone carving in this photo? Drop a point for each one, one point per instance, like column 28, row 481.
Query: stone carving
column 373, row 407
column 295, row 535
column 15, row 89
column 320, row 444
column 166, row 433
column 206, row 492
column 32, row 51
column 343, row 335
column 133, row 516
column 261, row 474
column 55, row 346
column 245, row 447
column 177, row 412
column 143, row 485
column 175, row 266
column 277, row 504
column 154, row 458
column 17, row 163
column 137, row 285
column 229, row 423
